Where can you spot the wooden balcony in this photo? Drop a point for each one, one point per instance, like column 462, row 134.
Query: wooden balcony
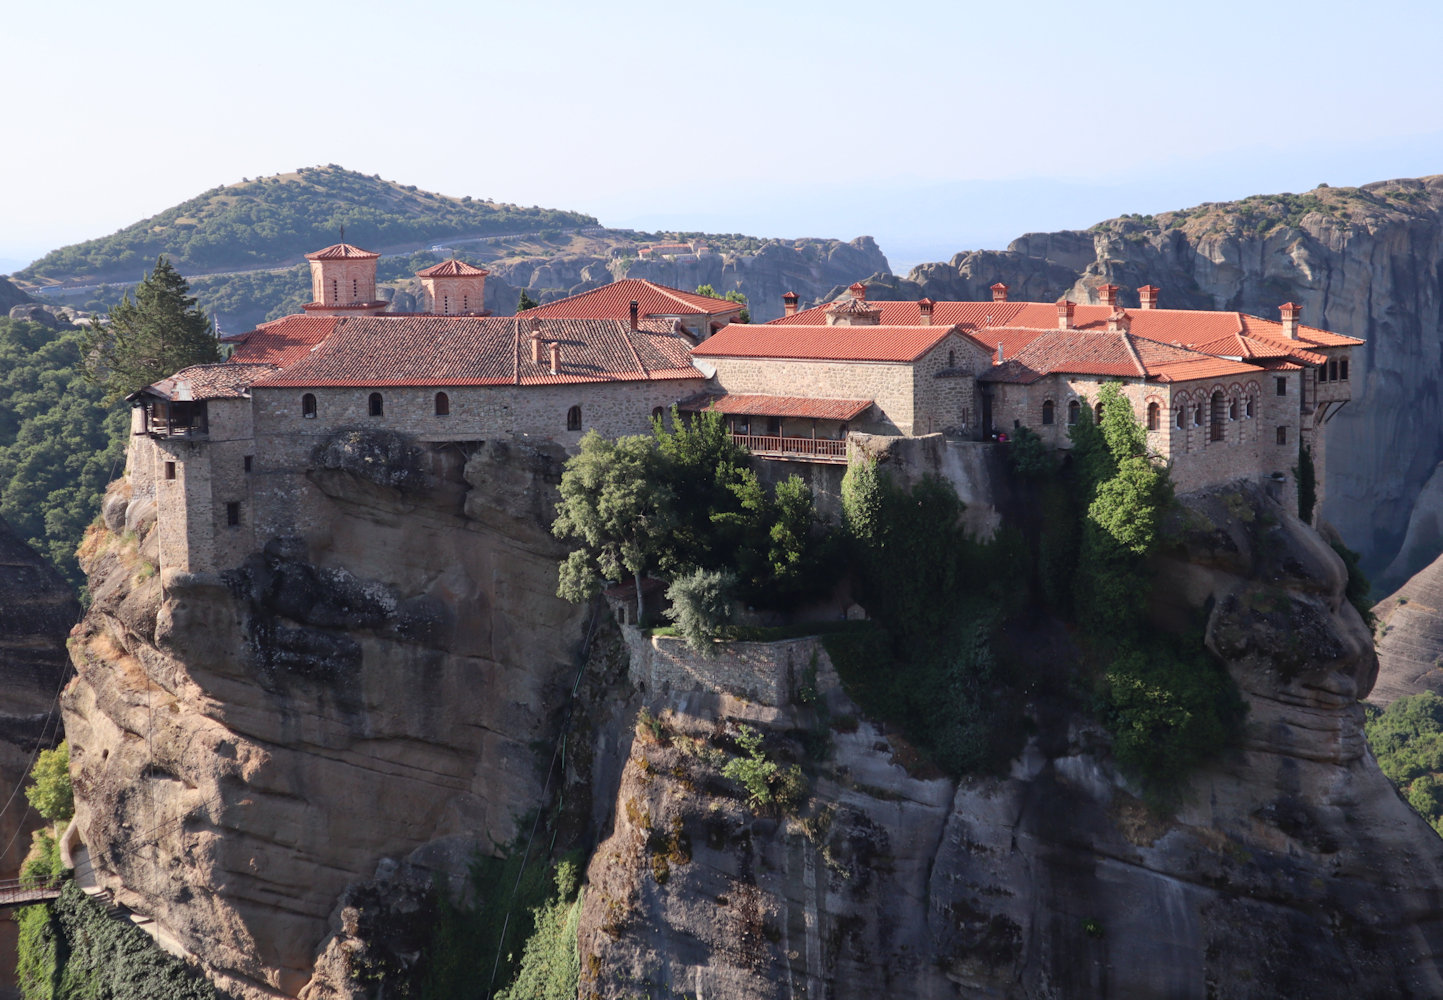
column 794, row 449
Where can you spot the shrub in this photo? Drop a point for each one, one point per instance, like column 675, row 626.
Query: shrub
column 701, row 603
column 50, row 791
column 765, row 781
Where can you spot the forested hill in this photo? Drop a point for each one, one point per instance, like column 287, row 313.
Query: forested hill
column 272, row 220
column 10, row 296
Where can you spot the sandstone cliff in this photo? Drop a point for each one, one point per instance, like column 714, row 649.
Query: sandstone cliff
column 1362, row 261
column 1293, row 869
column 37, row 609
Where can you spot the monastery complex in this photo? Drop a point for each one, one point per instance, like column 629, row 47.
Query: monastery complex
column 227, row 450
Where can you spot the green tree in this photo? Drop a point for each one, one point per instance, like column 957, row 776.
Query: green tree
column 158, row 333
column 619, row 508
column 49, row 790
column 1306, row 476
column 525, row 302
column 701, row 603
column 745, row 316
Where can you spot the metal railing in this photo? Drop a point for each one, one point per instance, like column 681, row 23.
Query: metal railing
column 32, row 889
column 808, row 449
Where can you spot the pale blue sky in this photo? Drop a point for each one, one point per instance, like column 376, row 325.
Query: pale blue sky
column 933, row 126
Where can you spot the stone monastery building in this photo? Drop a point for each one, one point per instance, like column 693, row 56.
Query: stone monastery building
column 229, row 450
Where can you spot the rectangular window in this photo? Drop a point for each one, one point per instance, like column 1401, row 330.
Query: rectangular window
column 1282, row 435
column 249, row 460
column 169, row 470
column 1343, row 370
column 232, row 514
column 1282, row 385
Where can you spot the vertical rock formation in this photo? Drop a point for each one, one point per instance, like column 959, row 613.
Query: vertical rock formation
column 1367, row 262
column 37, row 609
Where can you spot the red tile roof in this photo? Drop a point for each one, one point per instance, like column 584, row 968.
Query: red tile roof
column 226, row 380
column 468, row 350
column 1072, row 352
column 283, row 341
column 342, row 251
column 822, row 343
column 613, row 301
column 779, row 406
column 452, row 268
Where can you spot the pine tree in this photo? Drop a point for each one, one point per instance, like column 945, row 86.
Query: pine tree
column 156, row 335
column 525, row 302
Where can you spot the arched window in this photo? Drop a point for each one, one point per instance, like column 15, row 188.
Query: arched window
column 951, row 359
column 1249, row 409
column 446, row 304
column 465, row 303
column 1154, row 416
column 1098, row 413
column 657, row 413
column 1047, row 411
column 335, row 290
column 1073, row 409
column 355, row 289
column 1219, row 411
column 1233, row 408
column 573, row 419
column 1343, row 370
column 443, row 405
column 1181, row 419
column 1197, row 415
column 377, row 407
column 308, row 406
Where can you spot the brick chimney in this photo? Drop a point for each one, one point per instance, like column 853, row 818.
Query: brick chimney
column 924, row 306
column 1064, row 313
column 1291, row 312
column 555, row 358
column 999, row 352
column 634, row 310
column 999, row 292
column 536, row 341
column 1119, row 322
column 1147, row 295
column 789, row 303
column 1108, row 293
column 859, row 291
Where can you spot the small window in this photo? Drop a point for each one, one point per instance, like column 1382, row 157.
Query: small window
column 1197, row 418
column 1181, row 418
column 443, row 405
column 465, row 303
column 1098, row 412
column 1216, row 424
column 1073, row 410
column 249, row 460
column 951, row 359
column 1282, row 385
column 1343, row 370
column 232, row 514
column 355, row 290
column 308, row 406
column 573, row 419
column 1282, row 435
column 335, row 291
column 657, row 413
column 169, row 470
column 1047, row 414
column 1233, row 409
column 446, row 304
column 377, row 405
column 1250, row 411
column 1154, row 416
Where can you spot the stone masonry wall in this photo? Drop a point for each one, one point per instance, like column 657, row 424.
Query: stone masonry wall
column 886, row 383
column 944, row 385
column 764, row 672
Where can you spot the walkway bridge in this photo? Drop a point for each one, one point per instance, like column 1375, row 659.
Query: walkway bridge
column 33, row 889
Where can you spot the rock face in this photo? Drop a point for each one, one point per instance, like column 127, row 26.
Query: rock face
column 1361, row 261
column 1410, row 637
column 37, row 609
column 1293, row 869
column 247, row 746
column 11, row 296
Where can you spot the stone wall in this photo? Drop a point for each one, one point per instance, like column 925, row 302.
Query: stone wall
column 763, row 672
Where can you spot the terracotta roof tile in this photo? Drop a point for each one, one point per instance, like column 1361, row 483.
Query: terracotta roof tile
column 283, row 341
column 468, row 350
column 452, row 268
column 822, row 343
column 779, row 406
column 613, row 301
column 342, row 251
column 1073, row 352
column 226, row 380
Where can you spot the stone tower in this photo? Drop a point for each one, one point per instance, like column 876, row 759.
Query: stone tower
column 343, row 282
column 455, row 288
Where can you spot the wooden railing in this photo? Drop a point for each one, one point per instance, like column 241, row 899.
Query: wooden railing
column 24, row 891
column 805, row 449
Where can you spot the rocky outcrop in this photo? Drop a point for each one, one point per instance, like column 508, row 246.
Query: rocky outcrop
column 1292, row 869
column 1361, row 261
column 11, row 296
column 247, row 746
column 37, row 609
column 1410, row 637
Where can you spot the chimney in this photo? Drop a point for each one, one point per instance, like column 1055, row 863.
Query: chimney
column 1291, row 312
column 999, row 292
column 1064, row 313
column 1119, row 321
column 859, row 291
column 1147, row 295
column 789, row 303
column 1108, row 294
column 924, row 305
column 555, row 358
column 999, row 352
column 634, row 309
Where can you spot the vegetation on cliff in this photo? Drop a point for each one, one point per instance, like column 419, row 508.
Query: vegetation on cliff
column 59, row 446
column 1407, row 739
column 270, row 220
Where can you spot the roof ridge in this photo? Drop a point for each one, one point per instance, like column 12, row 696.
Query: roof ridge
column 516, row 350
column 1132, row 353
column 626, row 333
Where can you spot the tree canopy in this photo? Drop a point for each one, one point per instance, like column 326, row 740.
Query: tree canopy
column 158, row 333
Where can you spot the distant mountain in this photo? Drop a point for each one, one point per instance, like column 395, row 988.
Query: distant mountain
column 11, row 296
column 270, row 221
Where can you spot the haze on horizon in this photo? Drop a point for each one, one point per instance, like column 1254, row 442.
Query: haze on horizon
column 934, row 127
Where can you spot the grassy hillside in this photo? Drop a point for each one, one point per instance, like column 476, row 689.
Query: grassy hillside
column 272, row 220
